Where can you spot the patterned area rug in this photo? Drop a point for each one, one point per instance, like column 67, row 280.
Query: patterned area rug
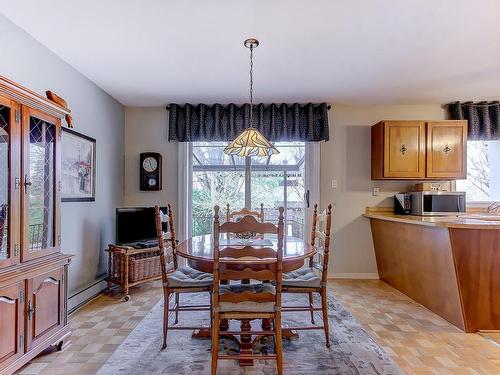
column 352, row 351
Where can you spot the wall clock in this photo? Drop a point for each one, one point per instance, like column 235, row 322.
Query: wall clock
column 150, row 171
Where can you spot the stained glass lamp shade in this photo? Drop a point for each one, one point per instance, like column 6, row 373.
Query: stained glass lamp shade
column 251, row 143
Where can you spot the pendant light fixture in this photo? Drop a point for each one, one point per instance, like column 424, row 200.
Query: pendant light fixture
column 251, row 142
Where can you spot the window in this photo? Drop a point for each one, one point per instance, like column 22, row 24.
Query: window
column 483, row 171
column 278, row 180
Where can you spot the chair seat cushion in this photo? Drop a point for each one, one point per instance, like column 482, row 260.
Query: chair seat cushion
column 247, row 306
column 304, row 277
column 186, row 277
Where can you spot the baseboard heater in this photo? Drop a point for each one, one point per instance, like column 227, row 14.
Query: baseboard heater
column 84, row 295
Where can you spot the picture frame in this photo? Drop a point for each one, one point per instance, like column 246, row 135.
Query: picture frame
column 78, row 167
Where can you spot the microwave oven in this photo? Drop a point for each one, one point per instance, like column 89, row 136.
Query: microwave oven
column 437, row 203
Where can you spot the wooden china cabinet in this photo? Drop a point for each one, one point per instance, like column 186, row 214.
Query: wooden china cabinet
column 33, row 271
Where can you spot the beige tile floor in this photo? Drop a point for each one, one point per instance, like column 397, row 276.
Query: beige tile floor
column 419, row 341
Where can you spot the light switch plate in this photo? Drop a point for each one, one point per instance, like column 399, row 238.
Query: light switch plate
column 334, row 184
column 375, row 191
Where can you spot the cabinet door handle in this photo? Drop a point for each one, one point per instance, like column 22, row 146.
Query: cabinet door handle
column 31, row 310
column 403, row 149
column 27, row 183
column 446, row 149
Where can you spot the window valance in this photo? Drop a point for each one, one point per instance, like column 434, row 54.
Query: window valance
column 483, row 119
column 278, row 122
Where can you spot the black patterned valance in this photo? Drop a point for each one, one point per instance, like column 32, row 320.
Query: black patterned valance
column 483, row 119
column 278, row 122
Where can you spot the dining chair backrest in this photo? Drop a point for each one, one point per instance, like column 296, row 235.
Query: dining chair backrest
column 232, row 215
column 320, row 239
column 236, row 263
column 165, row 231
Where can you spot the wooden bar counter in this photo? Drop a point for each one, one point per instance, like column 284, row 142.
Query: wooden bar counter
column 451, row 265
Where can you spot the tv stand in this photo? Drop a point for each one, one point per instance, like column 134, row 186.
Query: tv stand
column 129, row 266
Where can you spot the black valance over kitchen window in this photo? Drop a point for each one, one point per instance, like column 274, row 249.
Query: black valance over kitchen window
column 278, row 122
column 483, row 119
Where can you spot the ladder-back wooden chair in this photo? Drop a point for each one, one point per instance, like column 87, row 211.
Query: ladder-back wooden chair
column 313, row 279
column 247, row 301
column 231, row 215
column 177, row 280
column 236, row 215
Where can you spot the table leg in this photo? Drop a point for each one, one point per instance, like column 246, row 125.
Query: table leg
column 246, row 342
column 266, row 324
column 289, row 334
column 202, row 333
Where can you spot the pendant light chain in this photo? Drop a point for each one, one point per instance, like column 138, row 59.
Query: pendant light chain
column 251, row 142
column 251, row 85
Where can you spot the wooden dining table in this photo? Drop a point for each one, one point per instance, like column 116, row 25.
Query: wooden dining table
column 199, row 254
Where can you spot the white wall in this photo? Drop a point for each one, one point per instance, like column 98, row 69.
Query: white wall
column 87, row 227
column 347, row 158
column 146, row 131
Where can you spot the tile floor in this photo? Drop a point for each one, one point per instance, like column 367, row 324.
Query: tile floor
column 419, row 341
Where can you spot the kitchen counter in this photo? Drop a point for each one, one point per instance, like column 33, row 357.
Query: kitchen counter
column 466, row 220
column 449, row 264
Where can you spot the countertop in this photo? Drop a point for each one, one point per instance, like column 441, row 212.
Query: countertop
column 464, row 221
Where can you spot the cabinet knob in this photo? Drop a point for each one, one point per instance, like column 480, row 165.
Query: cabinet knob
column 446, row 149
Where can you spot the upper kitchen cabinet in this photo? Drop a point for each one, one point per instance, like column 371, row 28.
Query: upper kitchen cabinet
column 398, row 150
column 446, row 149
column 419, row 150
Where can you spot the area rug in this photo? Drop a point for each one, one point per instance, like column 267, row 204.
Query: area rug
column 352, row 351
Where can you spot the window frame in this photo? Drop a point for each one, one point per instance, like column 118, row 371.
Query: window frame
column 479, row 206
column 311, row 162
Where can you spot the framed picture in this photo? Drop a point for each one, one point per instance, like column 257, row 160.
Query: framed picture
column 77, row 167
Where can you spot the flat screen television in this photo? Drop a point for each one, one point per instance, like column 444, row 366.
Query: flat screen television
column 135, row 224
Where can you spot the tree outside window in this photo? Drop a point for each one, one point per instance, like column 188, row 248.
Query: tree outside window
column 483, row 171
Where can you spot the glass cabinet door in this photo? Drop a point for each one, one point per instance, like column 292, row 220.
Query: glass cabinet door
column 40, row 176
column 9, row 182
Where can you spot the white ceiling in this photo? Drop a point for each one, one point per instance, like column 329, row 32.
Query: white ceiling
column 153, row 52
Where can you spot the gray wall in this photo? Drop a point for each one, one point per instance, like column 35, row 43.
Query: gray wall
column 346, row 157
column 146, row 131
column 87, row 227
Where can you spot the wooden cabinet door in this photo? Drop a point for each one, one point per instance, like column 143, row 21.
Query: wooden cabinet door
column 404, row 149
column 45, row 306
column 11, row 323
column 40, row 184
column 10, row 161
column 447, row 149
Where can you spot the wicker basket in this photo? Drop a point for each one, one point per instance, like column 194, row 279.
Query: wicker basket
column 144, row 266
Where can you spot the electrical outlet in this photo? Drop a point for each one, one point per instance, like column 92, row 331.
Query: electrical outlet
column 334, row 184
column 375, row 191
